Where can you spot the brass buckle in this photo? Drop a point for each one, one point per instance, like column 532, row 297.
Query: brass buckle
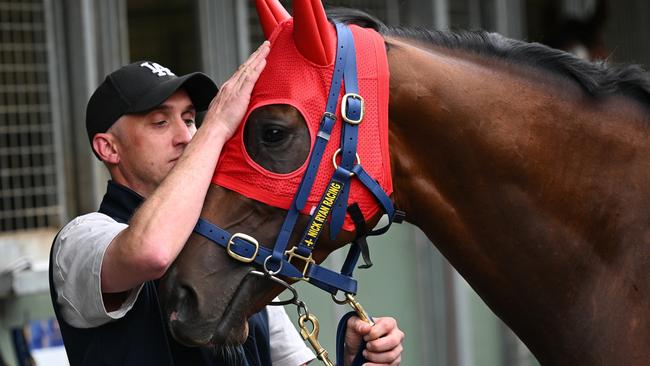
column 344, row 108
column 292, row 254
column 249, row 239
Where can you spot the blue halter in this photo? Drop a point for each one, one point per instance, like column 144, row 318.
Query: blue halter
column 298, row 263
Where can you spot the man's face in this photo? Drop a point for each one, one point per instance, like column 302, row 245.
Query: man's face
column 150, row 144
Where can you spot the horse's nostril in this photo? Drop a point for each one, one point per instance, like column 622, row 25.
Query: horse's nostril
column 183, row 321
column 185, row 300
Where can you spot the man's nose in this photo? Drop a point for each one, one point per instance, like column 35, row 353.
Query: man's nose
column 182, row 132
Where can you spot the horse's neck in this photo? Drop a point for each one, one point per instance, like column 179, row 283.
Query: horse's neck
column 518, row 186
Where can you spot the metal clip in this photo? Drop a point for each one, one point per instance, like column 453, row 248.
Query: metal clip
column 312, row 337
column 361, row 312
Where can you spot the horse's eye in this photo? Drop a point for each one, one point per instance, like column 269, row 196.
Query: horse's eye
column 273, row 135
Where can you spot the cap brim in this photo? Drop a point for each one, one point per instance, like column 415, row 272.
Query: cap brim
column 200, row 88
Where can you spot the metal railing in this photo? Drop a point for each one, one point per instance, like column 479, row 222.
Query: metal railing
column 29, row 187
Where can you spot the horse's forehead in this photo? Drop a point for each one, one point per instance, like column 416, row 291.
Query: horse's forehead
column 289, row 78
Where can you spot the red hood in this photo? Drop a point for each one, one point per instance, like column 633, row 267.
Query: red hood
column 291, row 79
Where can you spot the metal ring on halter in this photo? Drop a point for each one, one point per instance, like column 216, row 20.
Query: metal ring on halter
column 301, row 305
column 340, row 302
column 269, row 272
column 338, row 151
column 294, row 293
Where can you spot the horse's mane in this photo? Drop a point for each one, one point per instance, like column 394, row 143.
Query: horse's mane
column 596, row 78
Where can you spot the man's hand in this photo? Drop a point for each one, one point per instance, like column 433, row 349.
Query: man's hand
column 230, row 104
column 383, row 341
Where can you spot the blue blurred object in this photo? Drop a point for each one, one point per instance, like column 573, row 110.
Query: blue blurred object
column 23, row 354
column 44, row 333
column 35, row 335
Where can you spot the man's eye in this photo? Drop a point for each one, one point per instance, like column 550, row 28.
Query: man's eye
column 160, row 123
column 273, row 135
column 189, row 122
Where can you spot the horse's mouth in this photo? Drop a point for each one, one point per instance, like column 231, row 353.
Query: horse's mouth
column 230, row 329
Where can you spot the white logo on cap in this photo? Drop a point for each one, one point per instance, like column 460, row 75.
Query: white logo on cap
column 157, row 68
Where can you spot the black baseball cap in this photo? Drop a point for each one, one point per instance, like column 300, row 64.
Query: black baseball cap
column 138, row 88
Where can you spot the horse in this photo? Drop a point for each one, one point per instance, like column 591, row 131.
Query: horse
column 527, row 167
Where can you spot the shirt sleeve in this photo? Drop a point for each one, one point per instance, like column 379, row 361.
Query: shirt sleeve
column 78, row 254
column 287, row 347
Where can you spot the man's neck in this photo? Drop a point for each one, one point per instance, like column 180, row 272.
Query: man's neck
column 120, row 202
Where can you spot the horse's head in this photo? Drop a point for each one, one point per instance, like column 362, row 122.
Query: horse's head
column 207, row 294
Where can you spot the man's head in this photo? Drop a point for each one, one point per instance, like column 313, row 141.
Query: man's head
column 140, row 87
column 140, row 119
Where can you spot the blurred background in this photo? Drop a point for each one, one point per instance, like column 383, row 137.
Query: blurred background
column 54, row 53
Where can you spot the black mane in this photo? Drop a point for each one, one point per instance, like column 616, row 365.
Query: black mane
column 598, row 79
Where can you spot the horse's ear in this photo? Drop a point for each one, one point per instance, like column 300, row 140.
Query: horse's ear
column 315, row 37
column 271, row 13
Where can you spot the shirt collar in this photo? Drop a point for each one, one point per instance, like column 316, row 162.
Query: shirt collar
column 119, row 202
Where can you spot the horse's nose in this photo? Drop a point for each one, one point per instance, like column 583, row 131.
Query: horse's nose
column 182, row 317
column 183, row 303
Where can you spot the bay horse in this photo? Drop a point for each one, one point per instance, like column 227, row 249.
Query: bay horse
column 528, row 168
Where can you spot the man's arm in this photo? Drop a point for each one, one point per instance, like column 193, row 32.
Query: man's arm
column 160, row 228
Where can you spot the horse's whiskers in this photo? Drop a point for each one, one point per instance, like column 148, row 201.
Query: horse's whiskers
column 231, row 354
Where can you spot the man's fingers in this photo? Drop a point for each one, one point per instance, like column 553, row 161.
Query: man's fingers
column 391, row 358
column 229, row 105
column 385, row 358
column 249, row 72
column 255, row 59
column 243, row 80
column 260, row 52
column 249, row 75
column 385, row 343
column 360, row 326
column 382, row 327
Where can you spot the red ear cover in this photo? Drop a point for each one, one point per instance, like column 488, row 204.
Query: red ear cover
column 314, row 36
column 271, row 13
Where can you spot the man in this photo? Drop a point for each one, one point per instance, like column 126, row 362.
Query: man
column 105, row 265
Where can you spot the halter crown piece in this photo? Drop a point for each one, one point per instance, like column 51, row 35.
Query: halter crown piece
column 327, row 59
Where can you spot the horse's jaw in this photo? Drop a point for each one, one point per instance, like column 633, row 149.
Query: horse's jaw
column 207, row 296
column 215, row 310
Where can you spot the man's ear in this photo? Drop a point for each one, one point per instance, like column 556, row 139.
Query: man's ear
column 105, row 146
